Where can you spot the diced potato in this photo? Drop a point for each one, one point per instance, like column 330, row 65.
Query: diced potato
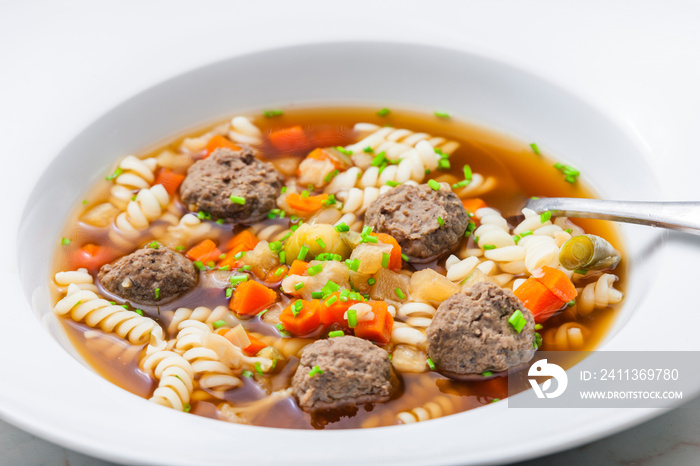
column 388, row 282
column 359, row 281
column 430, row 286
column 286, row 165
column 319, row 238
column 476, row 276
column 370, row 256
column 332, row 271
column 315, row 172
column 351, row 238
column 261, row 259
column 406, row 358
column 102, row 215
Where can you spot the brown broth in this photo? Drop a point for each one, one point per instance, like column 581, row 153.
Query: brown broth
column 520, row 173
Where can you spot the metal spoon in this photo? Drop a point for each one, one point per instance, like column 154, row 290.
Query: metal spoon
column 681, row 216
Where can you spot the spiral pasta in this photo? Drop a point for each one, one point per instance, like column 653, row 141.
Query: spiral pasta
column 357, row 200
column 599, row 294
column 269, row 232
column 395, row 142
column 569, row 336
column 187, row 231
column 175, row 378
column 86, row 306
column 287, row 346
column 199, row 143
column 148, row 205
column 134, row 173
column 80, row 278
column 244, row 131
column 404, row 333
column 438, row 407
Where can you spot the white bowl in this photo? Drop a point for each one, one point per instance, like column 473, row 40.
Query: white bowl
column 56, row 396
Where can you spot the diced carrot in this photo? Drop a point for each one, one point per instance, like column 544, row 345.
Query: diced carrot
column 170, row 180
column 251, row 297
column 255, row 345
column 327, row 135
column 288, row 139
column 91, row 256
column 395, row 256
column 298, row 268
column 379, row 328
column 204, row 251
column 218, row 142
column 222, row 331
column 243, row 241
column 305, row 204
column 306, row 321
column 275, row 275
column 558, row 283
column 473, row 204
column 334, row 314
column 538, row 299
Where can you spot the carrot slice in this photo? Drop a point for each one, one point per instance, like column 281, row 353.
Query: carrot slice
column 395, row 255
column 379, row 328
column 305, row 204
column 90, row 256
column 558, row 283
column 170, row 180
column 307, row 319
column 204, row 251
column 243, row 241
column 334, row 314
column 473, row 204
column 255, row 345
column 298, row 268
column 288, row 139
column 251, row 297
column 218, row 142
column 538, row 299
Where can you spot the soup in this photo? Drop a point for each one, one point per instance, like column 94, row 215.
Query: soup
column 331, row 268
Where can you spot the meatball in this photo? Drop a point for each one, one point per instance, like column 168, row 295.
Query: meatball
column 470, row 332
column 232, row 185
column 149, row 276
column 411, row 215
column 354, row 372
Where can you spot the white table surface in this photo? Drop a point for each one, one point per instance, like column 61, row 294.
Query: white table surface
column 64, row 63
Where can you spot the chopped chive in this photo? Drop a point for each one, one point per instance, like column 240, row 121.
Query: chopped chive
column 220, row 221
column 258, row 368
column 305, row 194
column 442, row 114
column 138, row 311
column 538, row 341
column 203, row 215
column 378, row 159
column 341, row 227
column 125, row 306
column 199, row 265
column 393, row 184
column 157, row 293
column 299, row 286
column 569, row 172
column 237, row 199
column 385, row 260
column 544, row 216
column 229, row 292
column 434, row 184
column 440, row 221
column 444, row 164
column 336, row 333
column 405, row 257
column 280, row 270
column 114, row 175
column 179, row 248
column 470, row 228
column 487, row 373
column 330, row 200
column 343, row 150
column 321, row 243
column 275, row 246
column 65, row 241
column 330, row 301
column 245, row 267
column 218, row 323
column 237, row 279
column 280, row 327
column 581, row 271
column 383, row 112
column 517, row 321
column 302, row 252
column 317, row 294
column 467, row 173
column 186, row 407
column 283, row 257
column 539, row 326
column 489, row 246
column 354, row 265
column 371, row 281
column 461, row 184
column 571, row 303
column 85, row 201
column 431, row 364
column 344, row 295
column 330, row 287
column 316, row 269
column 247, row 374
column 315, row 370
column 368, row 150
column 400, row 293
column 370, row 239
column 569, row 230
column 297, row 307
column 283, row 190
column 535, row 149
column 262, row 313
column 516, row 238
column 272, row 113
column 352, row 318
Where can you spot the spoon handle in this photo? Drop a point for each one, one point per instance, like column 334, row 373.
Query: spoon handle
column 681, row 216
